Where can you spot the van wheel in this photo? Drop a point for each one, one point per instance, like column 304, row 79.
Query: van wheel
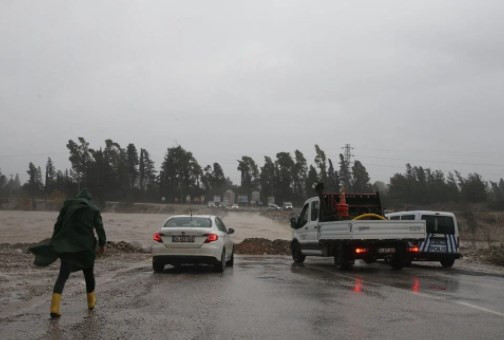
column 447, row 263
column 297, row 256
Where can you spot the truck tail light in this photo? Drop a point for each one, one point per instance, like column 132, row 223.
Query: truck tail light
column 360, row 250
column 157, row 237
column 211, row 238
column 414, row 249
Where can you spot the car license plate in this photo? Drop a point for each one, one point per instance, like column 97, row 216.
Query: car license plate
column 437, row 249
column 386, row 250
column 182, row 238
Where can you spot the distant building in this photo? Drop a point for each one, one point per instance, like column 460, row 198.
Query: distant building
column 229, row 197
column 255, row 197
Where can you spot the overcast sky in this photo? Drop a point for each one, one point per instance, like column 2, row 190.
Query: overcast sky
column 401, row 81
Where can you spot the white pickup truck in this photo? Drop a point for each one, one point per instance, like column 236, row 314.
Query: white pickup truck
column 361, row 233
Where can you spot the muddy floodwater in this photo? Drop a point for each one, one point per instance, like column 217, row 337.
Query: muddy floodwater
column 33, row 226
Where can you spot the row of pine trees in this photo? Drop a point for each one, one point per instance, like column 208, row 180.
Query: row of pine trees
column 114, row 173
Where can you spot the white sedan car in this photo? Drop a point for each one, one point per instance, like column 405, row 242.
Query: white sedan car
column 193, row 239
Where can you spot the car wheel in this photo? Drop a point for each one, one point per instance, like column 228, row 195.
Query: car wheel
column 230, row 263
column 297, row 256
column 447, row 263
column 221, row 265
column 158, row 267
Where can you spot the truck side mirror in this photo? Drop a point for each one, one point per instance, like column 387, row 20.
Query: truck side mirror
column 293, row 223
column 230, row 231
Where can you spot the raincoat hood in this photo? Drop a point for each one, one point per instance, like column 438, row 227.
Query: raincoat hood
column 84, row 194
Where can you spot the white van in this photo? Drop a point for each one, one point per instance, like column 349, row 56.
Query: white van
column 442, row 241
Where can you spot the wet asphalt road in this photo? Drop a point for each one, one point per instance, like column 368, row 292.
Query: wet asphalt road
column 269, row 297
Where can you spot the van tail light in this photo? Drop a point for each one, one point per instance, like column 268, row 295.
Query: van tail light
column 211, row 237
column 157, row 237
column 414, row 249
column 360, row 250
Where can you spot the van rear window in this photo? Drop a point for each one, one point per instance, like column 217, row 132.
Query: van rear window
column 439, row 224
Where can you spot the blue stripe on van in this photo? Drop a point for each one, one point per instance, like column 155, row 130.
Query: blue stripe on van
column 422, row 245
column 454, row 242
column 448, row 244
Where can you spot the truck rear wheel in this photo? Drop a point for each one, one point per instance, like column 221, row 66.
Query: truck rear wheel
column 397, row 262
column 297, row 256
column 447, row 263
column 342, row 260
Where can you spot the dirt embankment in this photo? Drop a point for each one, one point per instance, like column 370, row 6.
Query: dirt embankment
column 249, row 246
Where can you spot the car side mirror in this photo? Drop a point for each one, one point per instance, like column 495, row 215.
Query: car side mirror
column 293, row 223
column 230, row 231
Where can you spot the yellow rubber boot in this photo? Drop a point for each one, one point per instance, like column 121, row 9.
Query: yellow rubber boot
column 91, row 300
column 55, row 305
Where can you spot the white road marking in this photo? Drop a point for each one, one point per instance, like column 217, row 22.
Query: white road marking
column 479, row 308
column 462, row 303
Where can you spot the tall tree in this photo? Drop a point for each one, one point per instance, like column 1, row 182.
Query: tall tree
column 311, row 180
column 267, row 179
column 360, row 178
column 50, row 176
column 453, row 192
column 473, row 189
column 147, row 174
column 179, row 175
column 132, row 165
column 344, row 172
column 80, row 158
column 3, row 185
column 299, row 177
column 117, row 175
column 497, row 194
column 284, row 169
column 320, row 161
column 34, row 185
column 249, row 174
column 333, row 180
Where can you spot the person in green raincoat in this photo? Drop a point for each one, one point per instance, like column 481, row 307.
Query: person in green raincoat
column 74, row 243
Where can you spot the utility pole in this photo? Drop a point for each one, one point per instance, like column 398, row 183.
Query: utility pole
column 347, row 159
column 348, row 154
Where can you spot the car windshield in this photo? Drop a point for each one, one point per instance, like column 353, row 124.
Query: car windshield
column 191, row 222
column 439, row 224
